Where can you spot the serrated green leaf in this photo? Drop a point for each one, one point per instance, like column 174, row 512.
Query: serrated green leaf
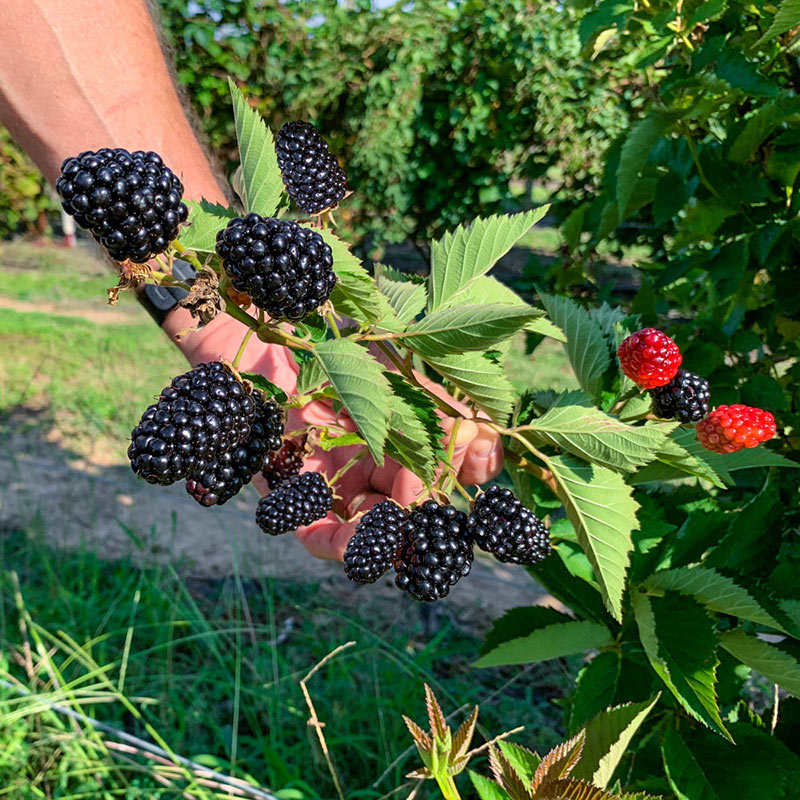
column 749, row 458
column 520, row 619
column 602, row 511
column 407, row 297
column 593, row 436
column 206, row 219
column 407, row 440
column 363, row 388
column 586, row 346
column 608, row 736
column 678, row 638
column 486, row 789
column 544, row 327
column 552, row 641
column 766, row 659
column 270, row 389
column 524, row 761
column 786, row 18
column 760, row 125
column 595, row 685
column 468, row 252
column 686, row 777
column 448, row 331
column 569, row 789
column 262, row 184
column 638, row 144
column 715, row 591
column 481, row 379
column 424, row 408
column 310, row 377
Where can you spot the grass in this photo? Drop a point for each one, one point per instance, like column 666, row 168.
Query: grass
column 213, row 667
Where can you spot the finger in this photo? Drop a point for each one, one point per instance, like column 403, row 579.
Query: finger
column 484, row 458
column 382, row 478
column 327, row 538
column 364, row 502
column 407, row 487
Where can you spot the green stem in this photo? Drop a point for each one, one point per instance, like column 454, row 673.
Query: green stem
column 334, row 326
column 240, row 352
column 624, row 399
column 340, row 473
column 448, row 787
column 189, row 255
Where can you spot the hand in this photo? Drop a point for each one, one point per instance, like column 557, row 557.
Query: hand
column 477, row 453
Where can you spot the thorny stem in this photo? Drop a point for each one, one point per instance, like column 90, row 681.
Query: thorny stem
column 240, row 352
column 340, row 472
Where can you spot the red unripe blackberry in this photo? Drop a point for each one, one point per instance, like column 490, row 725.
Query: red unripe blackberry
column 435, row 553
column 287, row 269
column 224, row 478
column 372, row 549
column 198, row 417
column 684, row 398
column 311, row 173
column 300, row 501
column 730, row 428
column 502, row 526
column 649, row 358
column 286, row 463
column 130, row 202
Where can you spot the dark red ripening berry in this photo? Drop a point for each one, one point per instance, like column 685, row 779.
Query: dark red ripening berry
column 649, row 358
column 731, row 428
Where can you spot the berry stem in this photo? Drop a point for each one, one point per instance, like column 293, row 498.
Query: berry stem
column 334, row 326
column 240, row 352
column 339, row 474
column 189, row 255
column 624, row 399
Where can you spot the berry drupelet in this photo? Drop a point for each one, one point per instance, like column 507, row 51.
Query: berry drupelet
column 435, row 553
column 501, row 525
column 731, row 428
column 285, row 464
column 649, row 358
column 224, row 478
column 287, row 269
column 130, row 202
column 684, row 398
column 372, row 549
column 311, row 173
column 300, row 501
column 198, row 417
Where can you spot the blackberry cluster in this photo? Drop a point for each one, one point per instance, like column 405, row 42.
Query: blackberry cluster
column 224, row 478
column 287, row 269
column 198, row 417
column 300, row 501
column 684, row 398
column 130, row 202
column 372, row 549
column 502, row 526
column 311, row 173
column 285, row 464
column 435, row 553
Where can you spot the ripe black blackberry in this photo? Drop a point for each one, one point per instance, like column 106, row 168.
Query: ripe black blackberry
column 501, row 525
column 685, row 398
column 287, row 269
column 130, row 202
column 435, row 553
column 286, row 463
column 199, row 416
column 311, row 173
column 372, row 549
column 300, row 501
column 224, row 478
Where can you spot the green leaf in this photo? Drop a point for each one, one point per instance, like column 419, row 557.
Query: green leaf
column 686, row 777
column 602, row 511
column 787, row 17
column 552, row 641
column 520, row 619
column 262, row 183
column 206, row 219
column 406, row 296
column 766, row 659
column 270, row 389
column 463, row 328
column 608, row 736
column 486, row 789
column 413, row 420
column 484, row 381
column 680, row 455
column 760, row 125
column 749, row 458
column 363, row 388
column 468, row 252
column 715, row 591
column 310, row 377
column 678, row 638
column 595, row 685
column 328, row 442
column 643, row 135
column 524, row 761
column 586, row 346
column 593, row 436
